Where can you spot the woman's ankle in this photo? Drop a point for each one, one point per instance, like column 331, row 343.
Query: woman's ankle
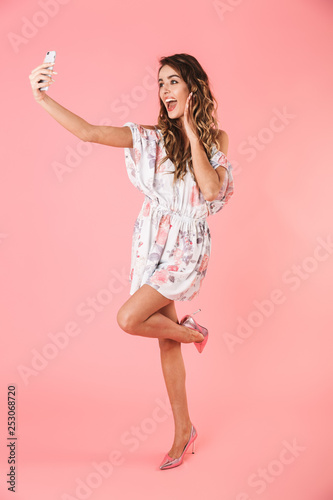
column 183, row 429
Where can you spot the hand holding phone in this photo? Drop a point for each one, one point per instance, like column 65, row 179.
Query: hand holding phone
column 38, row 75
column 50, row 57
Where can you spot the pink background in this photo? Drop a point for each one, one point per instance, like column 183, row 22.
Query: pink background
column 63, row 242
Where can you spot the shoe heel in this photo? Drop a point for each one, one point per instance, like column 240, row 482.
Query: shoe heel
column 196, row 312
column 193, row 447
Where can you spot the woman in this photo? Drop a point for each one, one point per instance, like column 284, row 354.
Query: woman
column 171, row 164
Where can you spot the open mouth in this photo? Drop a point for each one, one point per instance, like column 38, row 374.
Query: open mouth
column 171, row 104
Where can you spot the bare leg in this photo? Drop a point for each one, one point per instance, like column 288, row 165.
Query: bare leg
column 139, row 316
column 174, row 375
column 149, row 314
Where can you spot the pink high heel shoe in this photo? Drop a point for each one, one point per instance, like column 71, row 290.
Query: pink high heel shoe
column 169, row 462
column 191, row 323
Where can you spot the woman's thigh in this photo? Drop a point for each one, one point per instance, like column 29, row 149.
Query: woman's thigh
column 142, row 304
column 170, row 311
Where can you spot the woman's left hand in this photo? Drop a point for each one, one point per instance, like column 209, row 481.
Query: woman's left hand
column 189, row 123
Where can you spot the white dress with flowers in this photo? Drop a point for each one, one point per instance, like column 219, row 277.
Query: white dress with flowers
column 171, row 240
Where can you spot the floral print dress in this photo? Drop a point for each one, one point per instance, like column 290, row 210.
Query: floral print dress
column 171, row 241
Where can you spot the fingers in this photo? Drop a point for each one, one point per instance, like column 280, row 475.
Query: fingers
column 36, row 80
column 43, row 66
column 42, row 84
column 40, row 77
column 41, row 73
column 41, row 69
column 190, row 98
column 189, row 102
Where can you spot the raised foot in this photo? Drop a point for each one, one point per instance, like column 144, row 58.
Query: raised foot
column 198, row 337
column 194, row 335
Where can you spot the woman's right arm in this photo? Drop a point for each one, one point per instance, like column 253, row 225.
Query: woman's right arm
column 111, row 136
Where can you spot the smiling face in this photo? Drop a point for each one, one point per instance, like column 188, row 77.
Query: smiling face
column 172, row 86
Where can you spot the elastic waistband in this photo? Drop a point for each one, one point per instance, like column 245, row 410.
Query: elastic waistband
column 167, row 211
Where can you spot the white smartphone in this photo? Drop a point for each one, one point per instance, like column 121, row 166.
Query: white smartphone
column 50, row 57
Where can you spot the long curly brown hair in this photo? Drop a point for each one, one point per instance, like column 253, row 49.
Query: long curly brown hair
column 204, row 115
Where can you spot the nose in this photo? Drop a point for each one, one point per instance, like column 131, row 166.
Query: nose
column 166, row 91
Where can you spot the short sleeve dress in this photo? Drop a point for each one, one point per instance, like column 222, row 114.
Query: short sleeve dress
column 171, row 241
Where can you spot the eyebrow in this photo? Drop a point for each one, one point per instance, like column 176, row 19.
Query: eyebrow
column 161, row 79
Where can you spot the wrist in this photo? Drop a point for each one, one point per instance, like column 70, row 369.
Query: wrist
column 195, row 142
column 44, row 100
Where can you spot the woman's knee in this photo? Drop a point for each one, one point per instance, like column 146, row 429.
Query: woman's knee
column 125, row 320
